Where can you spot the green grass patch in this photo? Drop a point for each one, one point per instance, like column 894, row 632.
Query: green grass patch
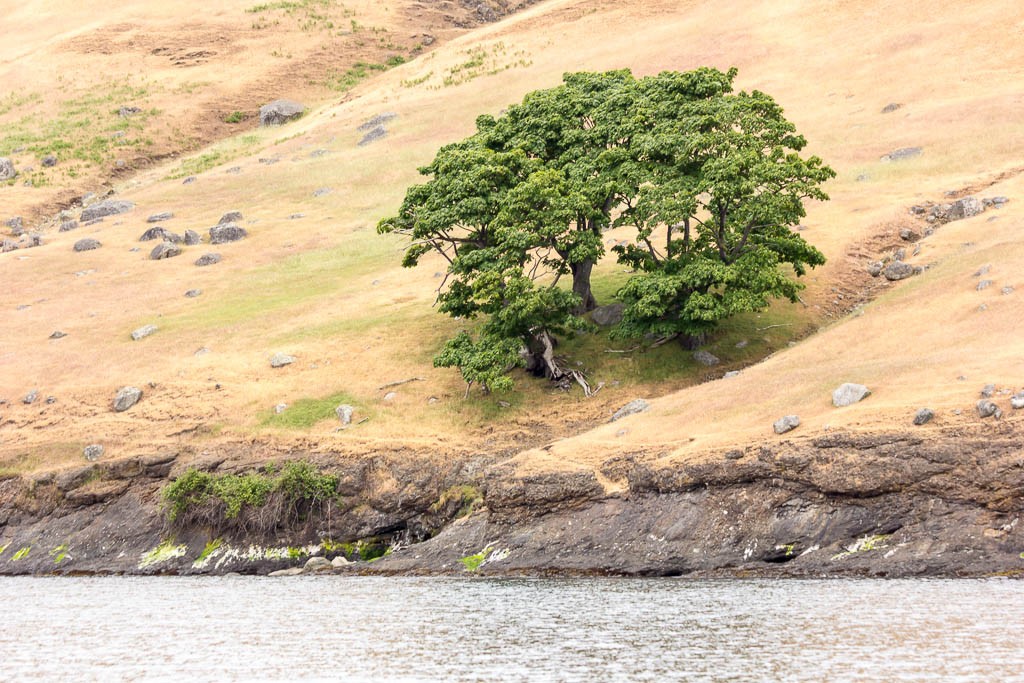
column 468, row 497
column 211, row 546
column 235, row 117
column 60, row 553
column 473, row 562
column 306, row 412
column 21, row 554
column 167, row 550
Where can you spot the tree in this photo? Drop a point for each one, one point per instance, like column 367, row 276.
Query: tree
column 710, row 180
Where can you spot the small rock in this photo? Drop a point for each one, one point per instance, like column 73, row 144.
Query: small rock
column 984, row 270
column 208, row 259
column 193, row 293
column 126, row 397
column 50, row 400
column 901, row 154
column 908, row 235
column 1017, row 402
column 58, row 335
column 923, row 416
column 897, row 270
column 891, row 107
column 374, row 134
column 984, row 284
column 734, row 454
column 731, row 374
column 875, row 268
column 7, row 170
column 1006, row 290
column 899, row 254
column 16, row 225
column 706, row 358
column 30, row 397
column 291, row 571
column 165, row 250
column 92, row 453
column 49, row 161
column 201, row 351
column 234, row 169
column 68, row 226
column 108, row 207
column 606, row 316
column 987, row 408
column 160, row 217
column 158, row 233
column 279, row 360
column 378, row 120
column 847, row 394
column 296, row 216
column 192, row 238
column 188, row 181
column 344, row 413
column 988, row 391
column 226, row 232
column 7, row 246
column 632, row 408
column 339, row 561
column 126, row 111
column 279, row 112
column 317, row 564
column 322, row 191
column 786, row 424
column 87, row 244
column 504, row 404
column 995, row 202
column 391, row 396
column 741, row 343
column 280, row 408
column 143, row 332
column 964, row 208
column 230, row 217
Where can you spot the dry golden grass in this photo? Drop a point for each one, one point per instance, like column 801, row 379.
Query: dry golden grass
column 328, row 290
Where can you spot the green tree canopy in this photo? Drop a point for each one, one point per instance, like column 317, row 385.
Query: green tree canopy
column 711, row 181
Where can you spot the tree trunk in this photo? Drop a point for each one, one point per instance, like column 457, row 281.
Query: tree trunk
column 544, row 364
column 581, row 286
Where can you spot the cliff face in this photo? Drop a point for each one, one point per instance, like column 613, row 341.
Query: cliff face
column 890, row 505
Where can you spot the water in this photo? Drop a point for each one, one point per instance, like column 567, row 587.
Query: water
column 411, row 629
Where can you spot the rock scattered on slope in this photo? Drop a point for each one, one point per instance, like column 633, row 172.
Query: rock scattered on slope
column 901, row 154
column 322, row 191
column 280, row 408
column 635, row 406
column 17, row 226
column 987, row 408
column 162, row 234
column 126, row 397
column 108, row 207
column 165, row 250
column 898, row 270
column 891, row 107
column 344, row 413
column 964, row 208
column 57, row 334
column 49, row 161
column 230, row 217
column 30, row 397
column 995, row 202
column 192, row 238
column 226, row 232
column 280, row 112
column 706, row 358
column 128, row 110
column 875, row 268
column 988, row 390
column 208, row 259
column 1017, row 402
column 160, row 217
column 87, row 244
column 68, row 226
column 984, row 284
column 847, row 394
column 374, row 134
column 317, row 564
column 93, row 452
column 908, row 235
column 143, row 332
column 279, row 360
column 378, row 120
column 606, row 316
column 193, row 293
column 786, row 424
column 923, row 416
column 8, row 245
column 7, row 170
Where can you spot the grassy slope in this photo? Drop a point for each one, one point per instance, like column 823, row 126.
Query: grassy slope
column 325, row 288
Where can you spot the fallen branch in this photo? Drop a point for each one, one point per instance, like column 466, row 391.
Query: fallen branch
column 622, row 350
column 762, row 329
column 664, row 340
column 400, row 383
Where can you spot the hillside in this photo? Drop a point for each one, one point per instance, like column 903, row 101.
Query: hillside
column 314, row 280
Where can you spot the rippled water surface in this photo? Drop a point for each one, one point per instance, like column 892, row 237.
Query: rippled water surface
column 404, row 629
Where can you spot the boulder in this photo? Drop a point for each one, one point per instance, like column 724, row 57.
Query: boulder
column 162, row 234
column 908, row 235
column 230, row 217
column 847, row 394
column 227, row 232
column 632, row 408
column 317, row 564
column 1017, row 402
column 378, row 120
column 192, row 238
column 165, row 250
column 108, row 207
column 126, row 397
column 87, row 244
column 706, row 358
column 208, row 259
column 375, row 133
column 344, row 413
column 901, row 154
column 92, row 453
column 279, row 360
column 143, row 332
column 68, row 226
column 160, row 217
column 786, row 424
column 279, row 112
column 7, row 170
column 606, row 316
column 964, row 208
column 923, row 416
column 339, row 561
column 8, row 245
column 898, row 270
column 987, row 408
